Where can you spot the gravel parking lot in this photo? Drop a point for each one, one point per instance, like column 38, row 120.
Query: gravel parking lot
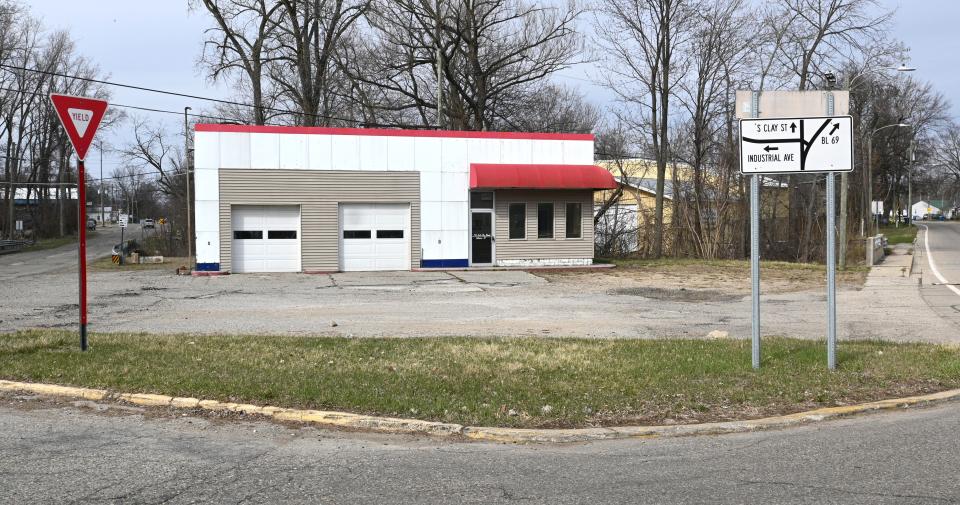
column 472, row 303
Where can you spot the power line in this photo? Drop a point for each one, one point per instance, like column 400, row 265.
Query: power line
column 174, row 93
column 361, row 124
column 137, row 107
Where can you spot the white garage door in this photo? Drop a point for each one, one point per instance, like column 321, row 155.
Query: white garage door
column 266, row 238
column 374, row 236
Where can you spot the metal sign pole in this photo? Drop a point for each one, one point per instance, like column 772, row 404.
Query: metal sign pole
column 832, row 257
column 831, row 272
column 755, row 264
column 755, row 248
column 82, row 250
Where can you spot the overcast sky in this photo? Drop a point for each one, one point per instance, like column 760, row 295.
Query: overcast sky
column 155, row 43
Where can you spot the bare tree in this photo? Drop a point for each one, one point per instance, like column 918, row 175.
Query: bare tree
column 308, row 33
column 240, row 42
column 492, row 55
column 642, row 40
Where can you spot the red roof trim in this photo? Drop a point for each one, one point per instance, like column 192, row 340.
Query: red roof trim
column 518, row 176
column 317, row 130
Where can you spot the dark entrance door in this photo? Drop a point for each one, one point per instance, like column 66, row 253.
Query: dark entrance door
column 482, row 237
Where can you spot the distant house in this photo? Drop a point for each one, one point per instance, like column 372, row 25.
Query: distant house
column 627, row 224
column 923, row 208
column 623, row 226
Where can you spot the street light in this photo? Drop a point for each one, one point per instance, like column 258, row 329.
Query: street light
column 844, row 176
column 868, row 71
column 870, row 170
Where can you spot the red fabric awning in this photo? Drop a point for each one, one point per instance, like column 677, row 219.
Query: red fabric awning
column 518, row 176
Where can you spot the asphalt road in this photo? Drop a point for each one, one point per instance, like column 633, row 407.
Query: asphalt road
column 941, row 288
column 65, row 454
column 62, row 259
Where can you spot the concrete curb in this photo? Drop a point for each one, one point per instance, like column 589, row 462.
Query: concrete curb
column 504, row 435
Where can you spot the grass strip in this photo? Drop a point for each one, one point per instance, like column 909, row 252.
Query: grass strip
column 899, row 234
column 52, row 243
column 514, row 382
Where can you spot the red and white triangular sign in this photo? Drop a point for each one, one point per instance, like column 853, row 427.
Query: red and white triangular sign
column 80, row 117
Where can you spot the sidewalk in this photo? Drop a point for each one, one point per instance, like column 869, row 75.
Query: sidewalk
column 899, row 263
column 892, row 288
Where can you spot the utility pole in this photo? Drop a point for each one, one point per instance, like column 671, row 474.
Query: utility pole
column 870, row 184
column 101, row 182
column 910, row 159
column 186, row 163
column 436, row 39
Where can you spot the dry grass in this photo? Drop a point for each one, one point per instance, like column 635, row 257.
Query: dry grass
column 106, row 265
column 723, row 276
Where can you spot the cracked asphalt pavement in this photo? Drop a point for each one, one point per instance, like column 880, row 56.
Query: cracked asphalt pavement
column 468, row 303
column 80, row 452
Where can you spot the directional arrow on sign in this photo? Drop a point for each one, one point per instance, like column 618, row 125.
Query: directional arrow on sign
column 771, row 148
column 793, row 127
column 835, row 128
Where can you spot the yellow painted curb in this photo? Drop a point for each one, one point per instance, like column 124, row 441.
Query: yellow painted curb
column 53, row 390
column 492, row 434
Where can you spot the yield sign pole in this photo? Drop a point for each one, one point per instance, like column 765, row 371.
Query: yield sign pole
column 80, row 117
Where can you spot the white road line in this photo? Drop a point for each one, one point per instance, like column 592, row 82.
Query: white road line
column 933, row 266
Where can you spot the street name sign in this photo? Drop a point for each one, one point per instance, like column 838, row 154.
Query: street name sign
column 794, row 145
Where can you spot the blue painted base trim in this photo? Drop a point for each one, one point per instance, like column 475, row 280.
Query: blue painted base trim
column 208, row 267
column 444, row 263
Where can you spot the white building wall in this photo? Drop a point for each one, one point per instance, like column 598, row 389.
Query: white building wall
column 443, row 163
column 207, row 161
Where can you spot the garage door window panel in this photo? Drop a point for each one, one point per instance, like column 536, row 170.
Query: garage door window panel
column 389, row 233
column 356, row 234
column 282, row 234
column 247, row 235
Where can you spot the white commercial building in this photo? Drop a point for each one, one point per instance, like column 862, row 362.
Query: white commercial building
column 312, row 199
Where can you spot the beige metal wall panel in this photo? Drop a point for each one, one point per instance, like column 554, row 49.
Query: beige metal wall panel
column 319, row 194
column 559, row 247
column 774, row 104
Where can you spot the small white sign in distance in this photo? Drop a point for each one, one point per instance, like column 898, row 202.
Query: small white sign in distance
column 796, row 145
column 123, row 221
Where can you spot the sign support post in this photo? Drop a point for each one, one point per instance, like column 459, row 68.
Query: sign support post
column 80, row 117
column 755, row 265
column 832, row 256
column 755, row 249
column 831, row 272
column 82, row 213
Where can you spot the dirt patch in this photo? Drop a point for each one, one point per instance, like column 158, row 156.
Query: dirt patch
column 679, row 295
column 730, row 278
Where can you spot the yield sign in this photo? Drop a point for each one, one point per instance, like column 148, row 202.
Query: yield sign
column 80, row 117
